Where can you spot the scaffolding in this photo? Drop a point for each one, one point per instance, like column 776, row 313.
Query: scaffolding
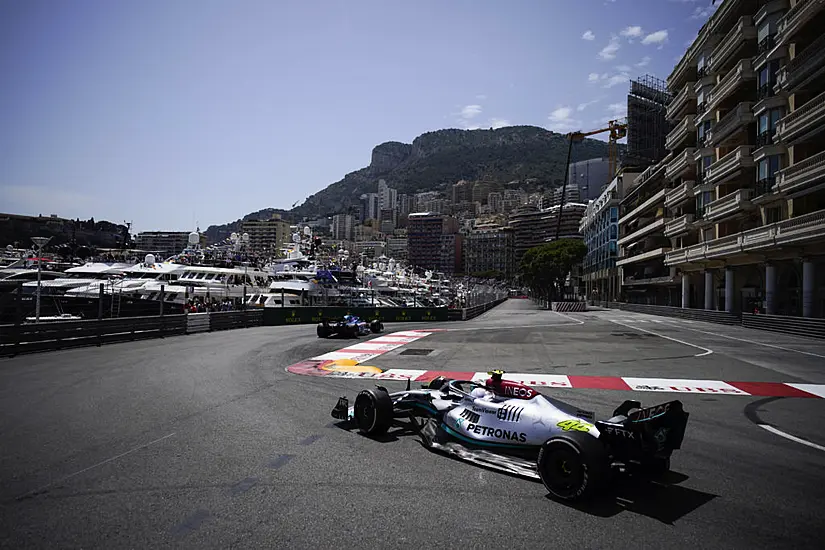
column 647, row 125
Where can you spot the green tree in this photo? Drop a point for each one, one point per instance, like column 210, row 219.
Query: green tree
column 544, row 268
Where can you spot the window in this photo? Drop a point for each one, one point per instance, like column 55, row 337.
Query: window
column 768, row 167
column 614, row 213
column 763, row 32
column 773, row 215
column 613, row 232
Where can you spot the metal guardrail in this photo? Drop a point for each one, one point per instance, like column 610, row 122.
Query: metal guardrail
column 798, row 326
column 711, row 316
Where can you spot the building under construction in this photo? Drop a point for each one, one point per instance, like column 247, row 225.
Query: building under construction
column 647, row 126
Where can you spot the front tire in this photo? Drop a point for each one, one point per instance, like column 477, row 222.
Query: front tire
column 376, row 326
column 373, row 412
column 573, row 466
column 322, row 331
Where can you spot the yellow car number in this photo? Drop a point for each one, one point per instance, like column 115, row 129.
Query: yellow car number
column 575, row 425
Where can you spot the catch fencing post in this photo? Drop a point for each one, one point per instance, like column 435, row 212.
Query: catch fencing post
column 100, row 295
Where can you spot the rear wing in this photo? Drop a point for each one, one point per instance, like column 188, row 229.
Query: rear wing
column 644, row 433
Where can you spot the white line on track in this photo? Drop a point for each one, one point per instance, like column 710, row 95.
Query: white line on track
column 101, row 463
column 780, row 433
column 753, row 342
column 513, row 326
column 706, row 351
column 577, row 321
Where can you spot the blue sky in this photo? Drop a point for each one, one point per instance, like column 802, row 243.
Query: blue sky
column 169, row 113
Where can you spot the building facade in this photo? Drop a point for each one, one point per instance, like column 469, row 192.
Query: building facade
column 488, row 249
column 266, row 236
column 746, row 182
column 588, row 177
column 168, row 243
column 600, row 228
column 433, row 242
column 343, row 227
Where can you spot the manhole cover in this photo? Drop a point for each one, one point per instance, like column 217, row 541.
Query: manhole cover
column 416, row 351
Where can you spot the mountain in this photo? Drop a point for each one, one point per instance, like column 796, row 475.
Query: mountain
column 436, row 160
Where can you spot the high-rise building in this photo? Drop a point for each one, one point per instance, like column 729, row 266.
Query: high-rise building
column 342, row 227
column 266, row 236
column 168, row 243
column 746, row 175
column 589, row 177
column 488, row 248
column 387, row 196
column 533, row 226
column 462, row 192
column 433, row 242
column 647, row 123
column 369, row 207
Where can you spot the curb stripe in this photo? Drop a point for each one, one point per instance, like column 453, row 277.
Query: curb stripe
column 771, row 389
column 598, row 382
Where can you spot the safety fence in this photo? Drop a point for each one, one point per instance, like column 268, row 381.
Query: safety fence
column 798, row 326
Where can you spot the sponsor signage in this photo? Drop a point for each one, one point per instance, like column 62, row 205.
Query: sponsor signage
column 682, row 386
column 497, row 433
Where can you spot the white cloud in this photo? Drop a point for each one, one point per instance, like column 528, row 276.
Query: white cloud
column 496, row 123
column 588, row 35
column 593, row 77
column 561, row 120
column 644, row 62
column 583, row 106
column 609, row 51
column 658, row 37
column 470, row 111
column 703, row 12
column 617, row 110
column 631, row 32
column 616, row 79
column 623, row 68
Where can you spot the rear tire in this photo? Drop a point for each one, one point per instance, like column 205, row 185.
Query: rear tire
column 376, row 326
column 373, row 412
column 573, row 466
column 322, row 331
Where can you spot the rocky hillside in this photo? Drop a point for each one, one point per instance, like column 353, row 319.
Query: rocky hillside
column 438, row 159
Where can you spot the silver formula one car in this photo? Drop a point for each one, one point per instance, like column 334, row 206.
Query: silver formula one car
column 512, row 427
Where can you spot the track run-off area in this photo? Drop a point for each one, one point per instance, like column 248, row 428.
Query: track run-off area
column 225, row 439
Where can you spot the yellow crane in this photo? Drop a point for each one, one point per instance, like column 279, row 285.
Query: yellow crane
column 618, row 130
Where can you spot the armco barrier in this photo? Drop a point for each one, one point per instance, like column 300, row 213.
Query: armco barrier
column 225, row 320
column 25, row 338
column 721, row 317
column 275, row 316
column 475, row 311
column 798, row 326
column 569, row 306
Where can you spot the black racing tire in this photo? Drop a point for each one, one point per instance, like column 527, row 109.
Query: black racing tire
column 322, row 331
column 353, row 332
column 373, row 412
column 573, row 466
column 376, row 326
column 659, row 465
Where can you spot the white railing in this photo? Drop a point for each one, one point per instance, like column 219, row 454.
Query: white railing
column 651, row 201
column 649, row 255
column 679, row 225
column 810, row 171
column 729, row 204
column 797, row 230
column 736, row 118
column 805, row 63
column 797, row 16
column 679, row 194
column 736, row 159
column 646, row 230
column 680, row 162
column 685, row 95
column 733, row 79
column 743, row 30
column 680, row 132
column 808, row 115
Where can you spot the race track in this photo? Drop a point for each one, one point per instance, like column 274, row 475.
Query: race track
column 207, row 441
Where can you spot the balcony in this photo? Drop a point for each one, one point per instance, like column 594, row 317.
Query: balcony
column 653, row 201
column 796, row 18
column 679, row 194
column 803, row 121
column 682, row 103
column 729, row 205
column 804, row 67
column 679, row 226
column 763, row 140
column 680, row 164
column 680, row 133
column 729, row 165
column 644, row 256
column 737, row 76
column 764, row 193
column 803, row 177
column 736, row 38
column 646, row 230
column 739, row 116
column 766, row 44
column 795, row 231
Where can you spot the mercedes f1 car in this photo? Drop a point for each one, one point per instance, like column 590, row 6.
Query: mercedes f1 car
column 511, row 427
column 349, row 326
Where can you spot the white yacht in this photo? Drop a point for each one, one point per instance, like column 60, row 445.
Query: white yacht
column 87, row 274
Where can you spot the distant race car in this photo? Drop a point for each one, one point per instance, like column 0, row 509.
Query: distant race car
column 349, row 326
column 513, row 428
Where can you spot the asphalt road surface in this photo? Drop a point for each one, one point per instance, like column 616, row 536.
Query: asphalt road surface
column 206, row 441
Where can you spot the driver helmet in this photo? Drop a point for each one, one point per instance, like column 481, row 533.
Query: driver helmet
column 347, row 318
column 479, row 393
column 437, row 383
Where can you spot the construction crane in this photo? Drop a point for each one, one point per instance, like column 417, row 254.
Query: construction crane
column 618, row 130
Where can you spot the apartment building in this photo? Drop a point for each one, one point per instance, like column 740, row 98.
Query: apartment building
column 489, row 248
column 745, row 198
column 167, row 243
column 266, row 236
column 532, row 226
column 433, row 242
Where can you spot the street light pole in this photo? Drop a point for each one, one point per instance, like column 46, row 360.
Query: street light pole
column 39, row 242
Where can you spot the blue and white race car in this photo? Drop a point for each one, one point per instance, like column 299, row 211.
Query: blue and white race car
column 349, row 326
